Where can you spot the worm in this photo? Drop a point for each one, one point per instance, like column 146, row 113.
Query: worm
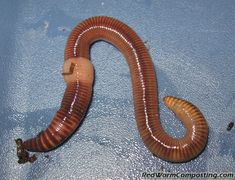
column 78, row 74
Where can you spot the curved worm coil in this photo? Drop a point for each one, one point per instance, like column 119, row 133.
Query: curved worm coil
column 78, row 94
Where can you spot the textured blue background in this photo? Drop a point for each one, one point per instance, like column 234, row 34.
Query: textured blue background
column 192, row 44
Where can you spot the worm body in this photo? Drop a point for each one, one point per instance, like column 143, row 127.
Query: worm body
column 79, row 89
column 78, row 74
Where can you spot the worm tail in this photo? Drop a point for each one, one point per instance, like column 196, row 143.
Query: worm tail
column 178, row 149
column 73, row 108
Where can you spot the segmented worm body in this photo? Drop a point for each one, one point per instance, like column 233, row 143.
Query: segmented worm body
column 78, row 74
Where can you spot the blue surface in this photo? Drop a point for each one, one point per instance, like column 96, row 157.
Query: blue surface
column 192, row 44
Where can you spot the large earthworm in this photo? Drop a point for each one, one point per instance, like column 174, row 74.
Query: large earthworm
column 78, row 74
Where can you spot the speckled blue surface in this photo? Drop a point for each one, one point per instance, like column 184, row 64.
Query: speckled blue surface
column 192, row 44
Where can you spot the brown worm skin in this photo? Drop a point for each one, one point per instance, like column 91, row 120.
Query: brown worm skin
column 65, row 121
column 145, row 95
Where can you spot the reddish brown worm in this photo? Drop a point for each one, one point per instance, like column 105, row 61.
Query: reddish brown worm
column 78, row 74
